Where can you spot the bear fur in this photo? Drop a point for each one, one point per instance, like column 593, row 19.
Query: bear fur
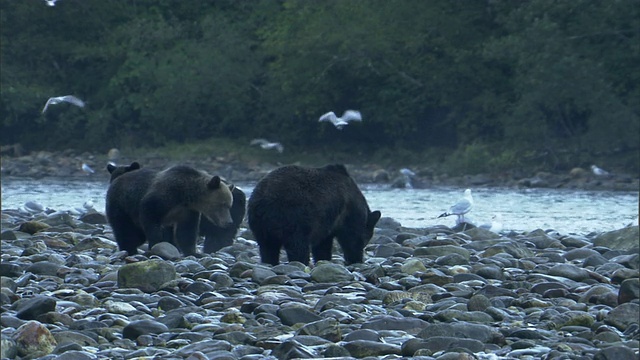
column 143, row 205
column 116, row 170
column 216, row 237
column 304, row 209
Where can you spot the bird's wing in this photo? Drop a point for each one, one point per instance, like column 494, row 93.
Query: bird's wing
column 461, row 207
column 258, row 142
column 330, row 116
column 47, row 104
column 73, row 100
column 352, row 115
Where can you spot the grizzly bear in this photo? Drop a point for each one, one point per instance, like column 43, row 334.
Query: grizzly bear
column 304, row 209
column 143, row 205
column 216, row 237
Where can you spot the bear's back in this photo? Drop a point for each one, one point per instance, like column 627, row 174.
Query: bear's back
column 294, row 185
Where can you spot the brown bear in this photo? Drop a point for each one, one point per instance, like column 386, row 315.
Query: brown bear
column 216, row 237
column 304, row 209
column 142, row 204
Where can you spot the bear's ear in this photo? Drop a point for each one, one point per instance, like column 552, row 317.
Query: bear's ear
column 110, row 168
column 339, row 168
column 214, row 183
column 134, row 166
column 373, row 218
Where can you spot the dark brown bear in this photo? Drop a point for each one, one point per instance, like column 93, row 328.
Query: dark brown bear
column 142, row 205
column 304, row 209
column 216, row 237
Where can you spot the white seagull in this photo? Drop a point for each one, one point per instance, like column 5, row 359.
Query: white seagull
column 67, row 98
column 267, row 145
column 461, row 207
column 340, row 122
column 407, row 173
column 86, row 168
column 495, row 225
column 51, row 2
column 599, row 172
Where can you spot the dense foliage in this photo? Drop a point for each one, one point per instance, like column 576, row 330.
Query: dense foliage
column 495, row 83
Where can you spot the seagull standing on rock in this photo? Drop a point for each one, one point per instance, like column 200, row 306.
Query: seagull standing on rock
column 340, row 122
column 461, row 207
column 408, row 174
column 267, row 145
column 599, row 172
column 87, row 169
column 67, row 98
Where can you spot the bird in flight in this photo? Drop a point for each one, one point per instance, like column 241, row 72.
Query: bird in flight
column 51, row 2
column 461, row 207
column 267, row 145
column 67, row 98
column 340, row 122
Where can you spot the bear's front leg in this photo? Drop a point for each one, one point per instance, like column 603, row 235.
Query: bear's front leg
column 322, row 250
column 186, row 232
column 152, row 213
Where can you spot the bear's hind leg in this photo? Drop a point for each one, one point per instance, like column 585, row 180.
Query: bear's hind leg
column 127, row 234
column 297, row 247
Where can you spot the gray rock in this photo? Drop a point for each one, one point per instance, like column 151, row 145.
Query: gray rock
column 165, row 250
column 440, row 343
column 410, row 325
column 622, row 239
column 143, row 327
column 629, row 290
column 363, row 334
column 295, row 314
column 148, row 276
column 8, row 348
column 623, row 316
column 330, row 273
column 364, row 348
column 291, row 349
column 615, row 353
column 569, row 271
column 482, row 333
column 44, row 268
column 326, row 328
column 30, row 309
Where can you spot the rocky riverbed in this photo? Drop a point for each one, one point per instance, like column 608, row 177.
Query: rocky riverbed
column 429, row 293
column 68, row 164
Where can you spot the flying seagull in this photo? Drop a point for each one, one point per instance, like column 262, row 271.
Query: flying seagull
column 340, row 122
column 461, row 207
column 599, row 172
column 67, row 98
column 51, row 2
column 266, row 144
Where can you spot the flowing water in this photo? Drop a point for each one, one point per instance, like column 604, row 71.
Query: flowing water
column 567, row 211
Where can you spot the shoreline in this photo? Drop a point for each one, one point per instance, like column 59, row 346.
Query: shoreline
column 67, row 164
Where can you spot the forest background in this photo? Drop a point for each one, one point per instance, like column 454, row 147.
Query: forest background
column 465, row 86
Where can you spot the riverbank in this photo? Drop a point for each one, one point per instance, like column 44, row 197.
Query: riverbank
column 243, row 168
column 427, row 293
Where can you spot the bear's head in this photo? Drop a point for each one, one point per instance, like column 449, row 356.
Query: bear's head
column 215, row 203
column 116, row 171
column 353, row 250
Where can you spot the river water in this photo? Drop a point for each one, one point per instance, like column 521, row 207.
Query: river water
column 567, row 211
